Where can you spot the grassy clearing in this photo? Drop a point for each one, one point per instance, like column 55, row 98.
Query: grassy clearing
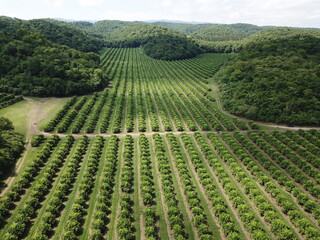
column 37, row 111
column 19, row 114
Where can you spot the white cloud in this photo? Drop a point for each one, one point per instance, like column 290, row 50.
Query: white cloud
column 58, row 3
column 90, row 3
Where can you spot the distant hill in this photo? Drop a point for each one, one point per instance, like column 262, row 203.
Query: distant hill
column 185, row 28
column 226, row 32
column 216, row 38
column 157, row 41
column 213, row 32
column 128, row 34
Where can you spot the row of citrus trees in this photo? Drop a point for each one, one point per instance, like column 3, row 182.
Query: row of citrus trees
column 7, row 99
column 21, row 221
column 288, row 207
column 283, row 179
column 233, row 181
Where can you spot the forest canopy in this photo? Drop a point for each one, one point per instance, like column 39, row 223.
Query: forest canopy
column 275, row 80
column 168, row 47
column 32, row 65
column 56, row 31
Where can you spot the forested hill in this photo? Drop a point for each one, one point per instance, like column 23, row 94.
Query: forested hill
column 55, row 31
column 169, row 47
column 127, row 34
column 224, row 32
column 185, row 28
column 217, row 38
column 276, row 78
column 32, row 65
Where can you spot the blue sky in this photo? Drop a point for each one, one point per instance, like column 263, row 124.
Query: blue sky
column 297, row 13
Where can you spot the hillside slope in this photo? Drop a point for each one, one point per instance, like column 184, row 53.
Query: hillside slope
column 55, row 31
column 34, row 66
column 275, row 80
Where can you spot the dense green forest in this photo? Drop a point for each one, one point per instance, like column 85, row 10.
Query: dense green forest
column 168, row 47
column 32, row 65
column 129, row 34
column 216, row 38
column 275, row 80
column 185, row 28
column 11, row 145
column 55, row 31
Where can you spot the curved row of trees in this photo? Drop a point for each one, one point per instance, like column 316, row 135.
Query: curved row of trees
column 28, row 176
column 7, row 99
column 41, row 186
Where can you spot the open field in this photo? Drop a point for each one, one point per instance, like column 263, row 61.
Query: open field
column 32, row 111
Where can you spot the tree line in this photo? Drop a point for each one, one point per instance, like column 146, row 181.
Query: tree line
column 11, row 146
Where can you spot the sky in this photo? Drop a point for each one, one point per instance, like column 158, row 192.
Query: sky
column 295, row 13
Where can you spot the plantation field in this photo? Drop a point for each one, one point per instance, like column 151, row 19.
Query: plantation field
column 187, row 186
column 153, row 156
column 148, row 95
